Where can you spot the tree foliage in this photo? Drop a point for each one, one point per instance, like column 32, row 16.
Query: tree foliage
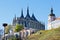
column 18, row 27
column 8, row 28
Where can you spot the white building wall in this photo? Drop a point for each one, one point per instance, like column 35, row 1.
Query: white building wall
column 54, row 24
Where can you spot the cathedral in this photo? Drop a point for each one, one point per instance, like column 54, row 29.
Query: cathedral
column 53, row 21
column 28, row 21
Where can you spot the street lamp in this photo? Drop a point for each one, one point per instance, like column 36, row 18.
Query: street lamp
column 4, row 24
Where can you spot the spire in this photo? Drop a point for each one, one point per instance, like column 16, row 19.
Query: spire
column 28, row 12
column 51, row 10
column 15, row 17
column 22, row 14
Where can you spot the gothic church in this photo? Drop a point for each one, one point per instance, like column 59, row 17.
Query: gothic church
column 28, row 22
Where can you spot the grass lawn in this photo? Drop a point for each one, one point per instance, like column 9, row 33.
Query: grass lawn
column 53, row 34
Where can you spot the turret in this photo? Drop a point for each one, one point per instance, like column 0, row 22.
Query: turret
column 14, row 20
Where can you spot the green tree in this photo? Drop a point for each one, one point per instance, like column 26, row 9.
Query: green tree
column 8, row 28
column 18, row 27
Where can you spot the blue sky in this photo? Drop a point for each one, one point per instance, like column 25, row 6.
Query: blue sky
column 40, row 8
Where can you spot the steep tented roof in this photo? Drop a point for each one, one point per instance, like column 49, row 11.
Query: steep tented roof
column 27, row 16
column 22, row 16
column 33, row 17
